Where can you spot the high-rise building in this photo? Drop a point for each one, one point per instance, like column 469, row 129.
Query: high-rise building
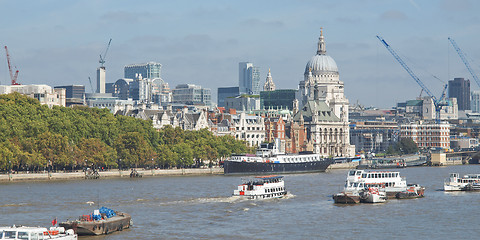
column 476, row 101
column 191, row 94
column 248, row 78
column 459, row 88
column 224, row 93
column 147, row 70
column 101, row 80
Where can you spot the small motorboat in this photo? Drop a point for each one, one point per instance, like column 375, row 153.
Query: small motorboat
column 30, row 233
column 102, row 221
column 412, row 191
column 264, row 187
column 373, row 195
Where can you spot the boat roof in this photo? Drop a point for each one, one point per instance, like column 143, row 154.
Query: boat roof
column 269, row 177
column 23, row 228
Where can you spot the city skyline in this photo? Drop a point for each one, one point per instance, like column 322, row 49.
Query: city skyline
column 59, row 42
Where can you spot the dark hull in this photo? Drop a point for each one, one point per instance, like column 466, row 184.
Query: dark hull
column 113, row 224
column 346, row 198
column 234, row 167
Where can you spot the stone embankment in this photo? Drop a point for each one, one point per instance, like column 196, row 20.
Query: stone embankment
column 109, row 174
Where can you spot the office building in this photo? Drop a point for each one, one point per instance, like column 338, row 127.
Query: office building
column 277, row 99
column 459, row 88
column 226, row 92
column 191, row 94
column 248, row 78
column 147, row 70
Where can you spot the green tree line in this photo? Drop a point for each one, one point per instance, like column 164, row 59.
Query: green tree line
column 34, row 137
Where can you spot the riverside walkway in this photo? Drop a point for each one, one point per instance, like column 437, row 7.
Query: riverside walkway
column 109, row 174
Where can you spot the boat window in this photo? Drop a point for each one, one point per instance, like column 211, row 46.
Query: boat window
column 359, row 173
column 364, row 175
column 22, row 235
column 9, row 235
column 361, row 185
column 369, row 176
column 351, row 173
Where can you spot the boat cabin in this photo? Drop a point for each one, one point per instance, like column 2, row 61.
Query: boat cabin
column 35, row 233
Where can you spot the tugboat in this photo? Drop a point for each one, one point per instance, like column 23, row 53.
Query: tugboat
column 102, row 221
column 264, row 187
column 30, row 233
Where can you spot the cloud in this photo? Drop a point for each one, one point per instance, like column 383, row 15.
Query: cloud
column 122, row 16
column 261, row 23
column 456, row 5
column 393, row 15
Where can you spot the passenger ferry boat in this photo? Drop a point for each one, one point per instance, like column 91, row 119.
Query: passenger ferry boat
column 269, row 160
column 36, row 233
column 466, row 183
column 393, row 182
column 264, row 187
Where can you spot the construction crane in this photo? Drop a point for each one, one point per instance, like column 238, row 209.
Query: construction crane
column 102, row 59
column 438, row 103
column 464, row 59
column 91, row 86
column 13, row 77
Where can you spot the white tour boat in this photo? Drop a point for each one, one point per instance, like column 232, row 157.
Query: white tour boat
column 456, row 183
column 373, row 195
column 393, row 182
column 264, row 187
column 36, row 233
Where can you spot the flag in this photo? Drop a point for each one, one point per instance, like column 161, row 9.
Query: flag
column 54, row 222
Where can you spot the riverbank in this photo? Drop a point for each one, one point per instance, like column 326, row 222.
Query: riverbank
column 108, row 174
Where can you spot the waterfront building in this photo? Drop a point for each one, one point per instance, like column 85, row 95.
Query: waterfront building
column 249, row 78
column 274, row 129
column 323, row 107
column 278, row 99
column 249, row 128
column 269, row 85
column 45, row 94
column 225, row 92
column 296, row 136
column 243, row 103
column 427, row 135
column 191, row 94
column 150, row 70
column 373, row 136
column 459, row 88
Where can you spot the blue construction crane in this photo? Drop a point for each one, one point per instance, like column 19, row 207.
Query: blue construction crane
column 439, row 103
column 102, row 59
column 464, row 59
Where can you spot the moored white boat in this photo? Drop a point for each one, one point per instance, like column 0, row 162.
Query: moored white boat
column 456, row 183
column 263, row 187
column 393, row 182
column 36, row 233
column 373, row 195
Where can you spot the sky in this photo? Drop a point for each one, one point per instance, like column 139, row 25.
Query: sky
column 58, row 42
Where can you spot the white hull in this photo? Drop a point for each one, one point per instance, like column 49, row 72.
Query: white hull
column 448, row 187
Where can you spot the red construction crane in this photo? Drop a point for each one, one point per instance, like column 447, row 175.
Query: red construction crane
column 12, row 77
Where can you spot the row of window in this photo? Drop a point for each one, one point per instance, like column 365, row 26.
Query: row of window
column 379, row 175
column 269, row 190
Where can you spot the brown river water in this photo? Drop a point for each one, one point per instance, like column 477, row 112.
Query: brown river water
column 202, row 207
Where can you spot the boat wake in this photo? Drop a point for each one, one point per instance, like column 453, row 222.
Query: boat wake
column 231, row 199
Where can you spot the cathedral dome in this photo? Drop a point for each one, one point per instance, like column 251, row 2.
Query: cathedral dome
column 321, row 63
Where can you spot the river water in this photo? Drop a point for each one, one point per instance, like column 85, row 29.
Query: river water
column 201, row 207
